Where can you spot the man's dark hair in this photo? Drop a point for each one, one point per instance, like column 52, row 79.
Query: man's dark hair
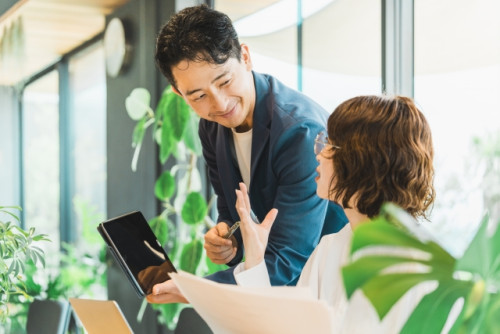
column 196, row 33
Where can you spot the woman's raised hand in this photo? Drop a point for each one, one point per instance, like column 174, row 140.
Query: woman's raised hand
column 255, row 236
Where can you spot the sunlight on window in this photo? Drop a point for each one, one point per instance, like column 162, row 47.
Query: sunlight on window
column 41, row 158
column 457, row 89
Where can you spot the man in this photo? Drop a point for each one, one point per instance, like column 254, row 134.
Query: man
column 253, row 130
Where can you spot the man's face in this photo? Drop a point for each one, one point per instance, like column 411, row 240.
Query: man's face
column 220, row 93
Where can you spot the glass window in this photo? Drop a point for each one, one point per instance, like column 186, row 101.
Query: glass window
column 88, row 149
column 83, row 174
column 9, row 147
column 335, row 56
column 457, row 80
column 40, row 130
column 342, row 51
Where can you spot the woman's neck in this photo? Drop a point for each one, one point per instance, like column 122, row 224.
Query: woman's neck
column 355, row 217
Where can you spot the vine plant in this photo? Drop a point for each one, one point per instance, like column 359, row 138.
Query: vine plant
column 181, row 225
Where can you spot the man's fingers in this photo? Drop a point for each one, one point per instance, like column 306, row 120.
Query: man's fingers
column 214, row 236
column 221, row 257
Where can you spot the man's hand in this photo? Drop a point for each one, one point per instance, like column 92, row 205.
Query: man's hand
column 218, row 249
column 165, row 293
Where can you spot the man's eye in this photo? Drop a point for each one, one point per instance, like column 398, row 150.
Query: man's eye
column 225, row 82
column 199, row 97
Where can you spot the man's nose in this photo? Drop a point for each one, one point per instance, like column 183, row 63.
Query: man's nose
column 219, row 102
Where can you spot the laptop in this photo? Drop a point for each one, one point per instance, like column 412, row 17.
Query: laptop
column 100, row 316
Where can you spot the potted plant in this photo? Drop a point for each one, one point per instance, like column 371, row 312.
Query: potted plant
column 17, row 246
column 79, row 272
column 185, row 217
column 474, row 277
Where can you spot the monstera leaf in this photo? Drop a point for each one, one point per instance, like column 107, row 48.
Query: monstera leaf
column 474, row 278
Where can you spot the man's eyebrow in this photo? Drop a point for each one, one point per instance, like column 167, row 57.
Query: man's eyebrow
column 191, row 92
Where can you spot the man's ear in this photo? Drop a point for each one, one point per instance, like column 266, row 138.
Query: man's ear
column 176, row 91
column 245, row 56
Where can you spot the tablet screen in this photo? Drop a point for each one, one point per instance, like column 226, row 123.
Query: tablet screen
column 137, row 250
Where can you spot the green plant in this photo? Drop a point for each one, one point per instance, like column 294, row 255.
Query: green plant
column 181, row 225
column 16, row 247
column 474, row 277
column 78, row 272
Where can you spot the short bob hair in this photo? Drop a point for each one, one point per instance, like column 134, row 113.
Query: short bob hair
column 196, row 33
column 385, row 155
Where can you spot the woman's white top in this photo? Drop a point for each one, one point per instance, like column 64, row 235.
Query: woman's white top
column 322, row 274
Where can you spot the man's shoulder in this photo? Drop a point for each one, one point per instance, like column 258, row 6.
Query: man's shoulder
column 290, row 103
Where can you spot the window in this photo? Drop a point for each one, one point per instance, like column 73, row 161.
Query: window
column 40, row 143
column 457, row 80
column 331, row 51
column 9, row 147
column 87, row 108
column 64, row 151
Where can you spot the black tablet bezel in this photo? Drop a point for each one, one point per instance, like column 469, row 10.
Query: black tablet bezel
column 109, row 232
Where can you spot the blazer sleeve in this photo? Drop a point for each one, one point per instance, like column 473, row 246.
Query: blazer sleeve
column 301, row 212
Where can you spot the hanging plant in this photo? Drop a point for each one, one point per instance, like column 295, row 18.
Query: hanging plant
column 182, row 224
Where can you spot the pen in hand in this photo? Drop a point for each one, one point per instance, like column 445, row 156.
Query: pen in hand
column 235, row 226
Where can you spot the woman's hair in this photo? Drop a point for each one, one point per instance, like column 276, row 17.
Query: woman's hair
column 385, row 155
column 196, row 33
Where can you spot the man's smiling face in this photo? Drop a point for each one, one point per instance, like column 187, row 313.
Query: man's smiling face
column 220, row 93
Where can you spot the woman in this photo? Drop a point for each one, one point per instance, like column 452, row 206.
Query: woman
column 378, row 149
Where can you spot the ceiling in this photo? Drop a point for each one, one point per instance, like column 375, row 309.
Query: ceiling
column 34, row 34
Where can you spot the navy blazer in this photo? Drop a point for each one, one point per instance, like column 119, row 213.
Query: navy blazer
column 283, row 168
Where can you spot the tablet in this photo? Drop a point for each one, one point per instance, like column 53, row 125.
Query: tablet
column 137, row 250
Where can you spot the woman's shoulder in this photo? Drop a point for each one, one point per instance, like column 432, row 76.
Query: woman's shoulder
column 338, row 239
column 333, row 248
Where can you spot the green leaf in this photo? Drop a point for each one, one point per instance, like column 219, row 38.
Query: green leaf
column 495, row 251
column 137, row 103
column 379, row 232
column 138, row 133
column 160, row 110
column 159, row 227
column 492, row 320
column 168, row 142
column 165, row 186
column 191, row 137
column 477, row 258
column 361, row 271
column 177, row 112
column 194, row 209
column 2, row 209
column 385, row 290
column 191, row 256
column 431, row 313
